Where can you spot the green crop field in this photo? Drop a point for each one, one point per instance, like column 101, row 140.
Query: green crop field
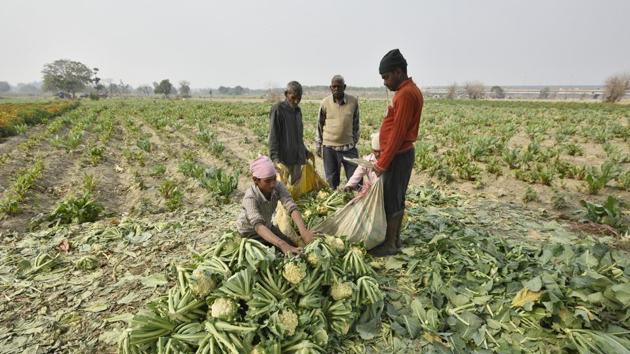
column 516, row 234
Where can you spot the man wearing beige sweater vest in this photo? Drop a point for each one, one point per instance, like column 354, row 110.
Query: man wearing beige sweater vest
column 337, row 131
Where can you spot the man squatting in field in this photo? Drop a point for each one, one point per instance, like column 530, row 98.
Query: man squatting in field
column 337, row 131
column 259, row 203
column 286, row 133
column 398, row 132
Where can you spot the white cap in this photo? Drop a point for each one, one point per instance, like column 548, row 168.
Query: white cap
column 376, row 145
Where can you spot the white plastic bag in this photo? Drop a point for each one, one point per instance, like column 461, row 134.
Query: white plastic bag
column 361, row 221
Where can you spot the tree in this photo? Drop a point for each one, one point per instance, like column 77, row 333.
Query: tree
column 113, row 89
column 544, row 93
column 184, row 88
column 123, row 88
column 4, row 86
column 66, row 75
column 238, row 90
column 474, row 90
column 144, row 90
column 224, row 90
column 497, row 92
column 96, row 81
column 451, row 91
column 615, row 88
column 164, row 87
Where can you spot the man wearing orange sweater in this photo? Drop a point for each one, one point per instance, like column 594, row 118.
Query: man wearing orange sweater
column 398, row 133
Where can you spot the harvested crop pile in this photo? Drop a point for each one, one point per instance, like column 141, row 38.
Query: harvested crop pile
column 316, row 206
column 240, row 296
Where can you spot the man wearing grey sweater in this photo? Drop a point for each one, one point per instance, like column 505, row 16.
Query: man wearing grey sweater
column 286, row 133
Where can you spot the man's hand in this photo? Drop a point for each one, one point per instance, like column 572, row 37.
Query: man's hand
column 289, row 250
column 308, row 236
column 281, row 169
column 348, row 189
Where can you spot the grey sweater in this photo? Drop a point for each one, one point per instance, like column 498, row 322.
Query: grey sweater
column 286, row 135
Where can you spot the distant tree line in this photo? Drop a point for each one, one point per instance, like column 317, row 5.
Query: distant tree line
column 33, row 88
column 66, row 78
column 233, row 91
column 615, row 88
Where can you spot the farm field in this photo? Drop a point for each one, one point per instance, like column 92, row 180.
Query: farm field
column 99, row 205
column 554, row 151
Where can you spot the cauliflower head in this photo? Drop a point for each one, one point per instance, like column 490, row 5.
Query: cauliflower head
column 321, row 195
column 357, row 250
column 294, row 272
column 223, row 309
column 335, row 243
column 201, row 282
column 313, row 259
column 288, row 321
column 340, row 291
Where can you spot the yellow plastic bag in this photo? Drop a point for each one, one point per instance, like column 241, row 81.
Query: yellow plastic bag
column 361, row 221
column 308, row 182
column 283, row 174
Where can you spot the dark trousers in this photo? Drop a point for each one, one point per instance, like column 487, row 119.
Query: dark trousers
column 333, row 160
column 396, row 181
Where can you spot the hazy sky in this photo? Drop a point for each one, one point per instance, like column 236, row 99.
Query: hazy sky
column 262, row 43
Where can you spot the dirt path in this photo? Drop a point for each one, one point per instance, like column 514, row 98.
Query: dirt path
column 113, row 182
column 58, row 178
column 18, row 152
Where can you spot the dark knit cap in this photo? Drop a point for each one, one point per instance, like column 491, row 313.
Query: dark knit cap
column 393, row 59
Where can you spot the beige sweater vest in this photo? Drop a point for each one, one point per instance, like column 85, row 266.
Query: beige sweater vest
column 338, row 125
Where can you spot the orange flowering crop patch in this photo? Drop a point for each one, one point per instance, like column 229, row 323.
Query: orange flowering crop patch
column 12, row 114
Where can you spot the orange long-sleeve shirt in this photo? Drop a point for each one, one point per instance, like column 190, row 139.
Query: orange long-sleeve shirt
column 399, row 129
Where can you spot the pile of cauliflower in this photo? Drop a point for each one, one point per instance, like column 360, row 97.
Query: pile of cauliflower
column 243, row 297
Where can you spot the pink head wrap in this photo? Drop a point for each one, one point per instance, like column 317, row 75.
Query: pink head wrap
column 262, row 167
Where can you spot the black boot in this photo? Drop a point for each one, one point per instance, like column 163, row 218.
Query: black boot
column 392, row 235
